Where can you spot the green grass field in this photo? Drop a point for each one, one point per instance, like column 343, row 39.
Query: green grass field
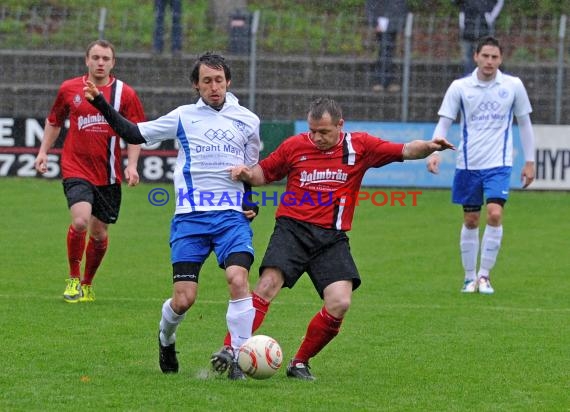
column 411, row 341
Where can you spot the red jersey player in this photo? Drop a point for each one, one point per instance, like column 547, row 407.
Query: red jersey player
column 91, row 163
column 323, row 167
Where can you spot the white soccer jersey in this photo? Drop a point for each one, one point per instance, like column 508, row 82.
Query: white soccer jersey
column 210, row 142
column 486, row 118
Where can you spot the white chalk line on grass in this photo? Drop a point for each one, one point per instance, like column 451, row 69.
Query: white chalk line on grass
column 297, row 303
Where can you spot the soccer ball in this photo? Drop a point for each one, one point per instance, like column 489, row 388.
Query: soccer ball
column 260, row 357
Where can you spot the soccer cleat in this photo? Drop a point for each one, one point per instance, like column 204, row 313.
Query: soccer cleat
column 485, row 286
column 299, row 370
column 235, row 373
column 222, row 359
column 87, row 294
column 167, row 357
column 72, row 293
column 469, row 286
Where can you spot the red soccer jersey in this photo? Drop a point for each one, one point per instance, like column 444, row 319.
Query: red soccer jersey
column 91, row 150
column 318, row 181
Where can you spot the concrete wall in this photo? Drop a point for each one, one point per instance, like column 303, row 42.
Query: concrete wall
column 285, row 85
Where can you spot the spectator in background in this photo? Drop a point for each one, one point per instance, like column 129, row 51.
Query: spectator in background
column 387, row 17
column 476, row 20
column 158, row 35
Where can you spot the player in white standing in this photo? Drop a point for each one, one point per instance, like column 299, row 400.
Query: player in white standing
column 487, row 100
column 214, row 134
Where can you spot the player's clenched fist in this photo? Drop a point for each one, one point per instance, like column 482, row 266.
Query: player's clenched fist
column 41, row 163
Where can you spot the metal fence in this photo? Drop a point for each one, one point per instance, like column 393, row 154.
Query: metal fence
column 46, row 27
column 539, row 44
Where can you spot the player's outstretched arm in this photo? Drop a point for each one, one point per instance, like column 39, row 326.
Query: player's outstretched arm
column 420, row 149
column 128, row 130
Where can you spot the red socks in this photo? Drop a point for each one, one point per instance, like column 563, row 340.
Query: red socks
column 93, row 256
column 75, row 249
column 321, row 330
column 261, row 307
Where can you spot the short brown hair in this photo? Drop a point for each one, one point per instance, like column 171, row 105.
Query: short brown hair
column 488, row 41
column 323, row 105
column 103, row 43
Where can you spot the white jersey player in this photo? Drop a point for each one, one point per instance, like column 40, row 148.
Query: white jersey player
column 487, row 100
column 214, row 134
column 210, row 142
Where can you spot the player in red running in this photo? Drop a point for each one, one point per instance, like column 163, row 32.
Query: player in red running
column 91, row 163
column 324, row 169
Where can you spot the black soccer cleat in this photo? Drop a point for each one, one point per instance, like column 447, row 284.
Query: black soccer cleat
column 167, row 357
column 299, row 370
column 222, row 359
column 235, row 373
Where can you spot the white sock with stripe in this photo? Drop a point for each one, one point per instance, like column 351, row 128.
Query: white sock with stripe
column 490, row 247
column 240, row 321
column 469, row 244
column 168, row 324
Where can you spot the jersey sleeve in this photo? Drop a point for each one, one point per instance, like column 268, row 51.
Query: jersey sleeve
column 380, row 152
column 59, row 110
column 276, row 166
column 253, row 146
column 522, row 104
column 163, row 128
column 451, row 102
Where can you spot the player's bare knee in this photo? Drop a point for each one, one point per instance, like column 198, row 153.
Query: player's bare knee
column 238, row 286
column 340, row 306
column 495, row 212
column 266, row 290
column 270, row 283
column 182, row 301
column 471, row 220
column 80, row 224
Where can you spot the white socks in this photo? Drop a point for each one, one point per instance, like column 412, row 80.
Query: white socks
column 168, row 324
column 469, row 244
column 490, row 249
column 490, row 245
column 239, row 318
column 240, row 321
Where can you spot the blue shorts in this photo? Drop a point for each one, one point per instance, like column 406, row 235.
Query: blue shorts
column 471, row 187
column 194, row 235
